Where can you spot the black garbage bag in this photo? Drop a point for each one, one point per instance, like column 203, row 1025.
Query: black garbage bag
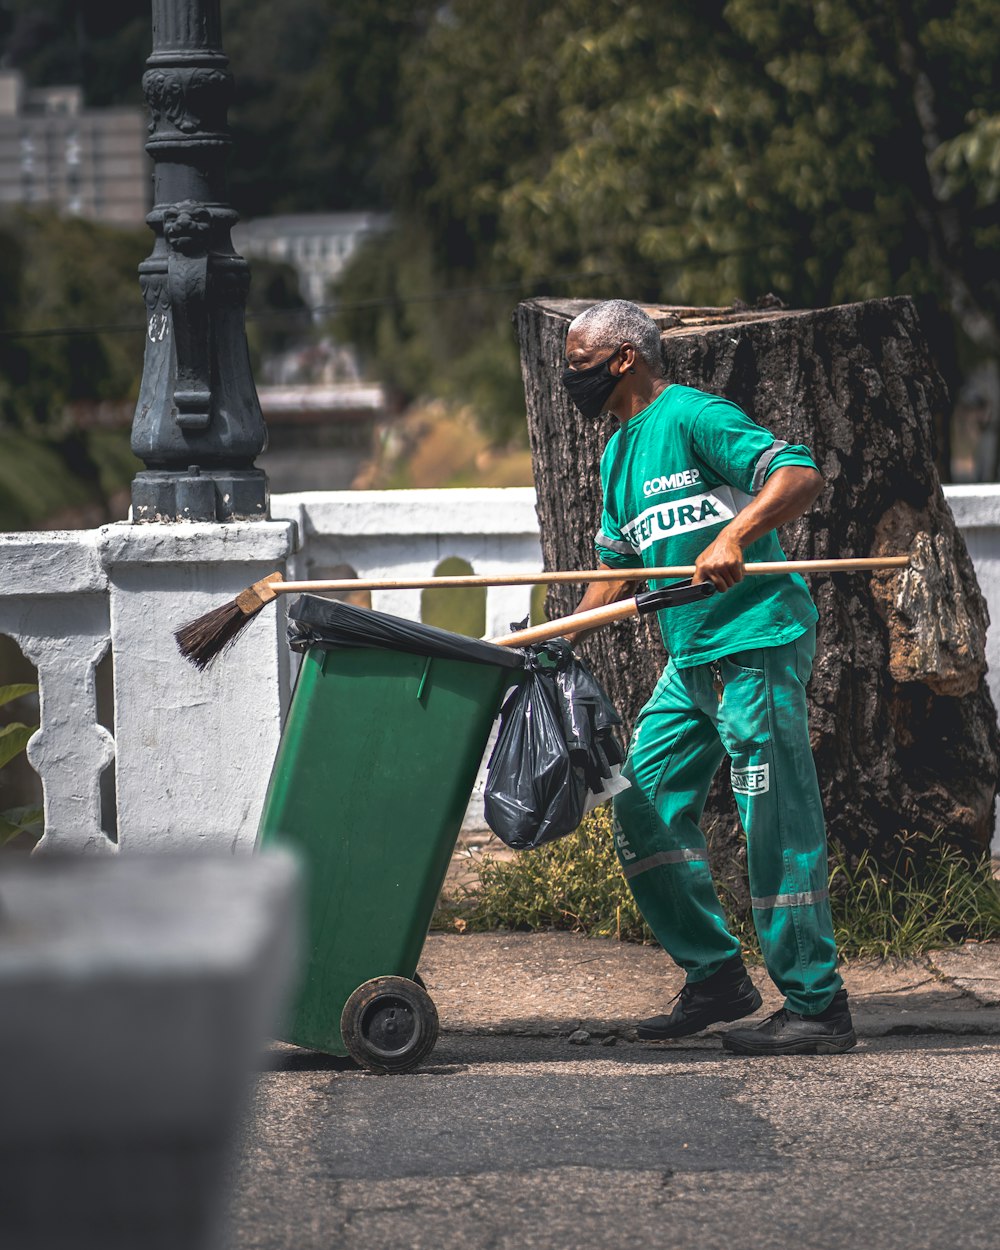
column 589, row 721
column 331, row 624
column 557, row 753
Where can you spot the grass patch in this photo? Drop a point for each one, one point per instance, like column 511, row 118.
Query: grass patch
column 574, row 883
column 924, row 902
column 938, row 900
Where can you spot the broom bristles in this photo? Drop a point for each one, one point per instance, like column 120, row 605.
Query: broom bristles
column 202, row 640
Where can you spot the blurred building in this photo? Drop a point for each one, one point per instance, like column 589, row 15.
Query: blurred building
column 316, row 245
column 87, row 162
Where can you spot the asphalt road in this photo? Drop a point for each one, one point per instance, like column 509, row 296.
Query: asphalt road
column 515, row 1143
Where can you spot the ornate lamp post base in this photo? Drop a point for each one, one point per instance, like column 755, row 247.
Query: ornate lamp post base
column 200, row 495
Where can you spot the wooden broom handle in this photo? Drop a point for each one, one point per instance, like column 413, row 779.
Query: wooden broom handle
column 591, row 619
column 582, row 575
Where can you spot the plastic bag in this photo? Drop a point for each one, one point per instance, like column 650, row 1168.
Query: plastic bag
column 331, row 624
column 589, row 722
column 556, row 755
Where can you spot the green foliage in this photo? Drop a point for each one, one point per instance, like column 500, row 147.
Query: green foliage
column 574, row 883
column 66, row 272
column 702, row 151
column 111, row 452
column 14, row 737
column 382, row 313
column 59, row 272
column 90, row 42
column 35, row 482
column 18, row 821
column 930, row 898
column 487, row 377
column 426, row 329
column 317, row 99
column 16, row 690
column 317, row 85
column 885, row 913
column 698, row 151
column 277, row 318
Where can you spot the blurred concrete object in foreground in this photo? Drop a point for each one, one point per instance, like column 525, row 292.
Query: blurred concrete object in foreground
column 137, row 993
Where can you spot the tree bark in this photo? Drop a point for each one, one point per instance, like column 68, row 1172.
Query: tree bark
column 903, row 728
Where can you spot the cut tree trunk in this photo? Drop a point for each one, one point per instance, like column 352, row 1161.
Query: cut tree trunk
column 903, row 727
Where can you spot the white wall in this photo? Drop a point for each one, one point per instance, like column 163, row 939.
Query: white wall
column 977, row 512
column 193, row 750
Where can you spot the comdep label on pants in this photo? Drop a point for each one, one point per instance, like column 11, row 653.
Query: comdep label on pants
column 753, row 780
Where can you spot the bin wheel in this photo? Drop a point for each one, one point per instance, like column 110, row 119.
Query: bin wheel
column 389, row 1024
column 419, row 980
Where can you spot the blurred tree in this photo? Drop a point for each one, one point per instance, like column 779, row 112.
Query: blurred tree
column 826, row 149
column 427, row 329
column 277, row 317
column 318, row 97
column 65, row 275
column 71, row 338
column 98, row 44
column 709, row 149
column 68, row 274
column 473, row 87
column 697, row 150
column 703, row 151
column 317, row 85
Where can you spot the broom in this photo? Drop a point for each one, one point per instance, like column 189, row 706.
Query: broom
column 201, row 640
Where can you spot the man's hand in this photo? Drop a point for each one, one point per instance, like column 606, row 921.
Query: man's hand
column 721, row 563
column 786, row 494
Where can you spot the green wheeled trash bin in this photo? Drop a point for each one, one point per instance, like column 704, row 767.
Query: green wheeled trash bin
column 386, row 730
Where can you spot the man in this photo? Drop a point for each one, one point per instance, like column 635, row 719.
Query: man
column 689, row 478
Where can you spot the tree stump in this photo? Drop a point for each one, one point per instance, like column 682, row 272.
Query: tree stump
column 903, row 727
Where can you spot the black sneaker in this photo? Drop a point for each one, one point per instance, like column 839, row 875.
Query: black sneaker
column 787, row 1033
column 728, row 994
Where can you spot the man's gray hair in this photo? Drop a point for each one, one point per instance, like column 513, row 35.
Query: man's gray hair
column 616, row 321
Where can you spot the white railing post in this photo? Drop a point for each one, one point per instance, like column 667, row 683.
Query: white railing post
column 71, row 749
column 53, row 603
column 195, row 748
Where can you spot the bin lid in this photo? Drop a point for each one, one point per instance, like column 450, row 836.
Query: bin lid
column 330, row 624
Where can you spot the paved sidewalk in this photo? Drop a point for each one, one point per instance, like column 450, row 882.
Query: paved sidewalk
column 551, row 984
column 512, row 1137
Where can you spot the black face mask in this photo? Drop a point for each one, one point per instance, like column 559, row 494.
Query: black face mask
column 590, row 389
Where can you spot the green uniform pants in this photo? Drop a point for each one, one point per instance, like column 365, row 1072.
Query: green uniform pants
column 682, row 735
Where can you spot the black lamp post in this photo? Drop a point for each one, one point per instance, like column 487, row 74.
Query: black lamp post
column 198, row 425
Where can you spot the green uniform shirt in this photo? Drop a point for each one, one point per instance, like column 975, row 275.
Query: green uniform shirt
column 673, row 477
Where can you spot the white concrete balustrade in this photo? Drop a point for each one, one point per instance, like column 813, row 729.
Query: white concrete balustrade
column 388, row 535
column 193, row 750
